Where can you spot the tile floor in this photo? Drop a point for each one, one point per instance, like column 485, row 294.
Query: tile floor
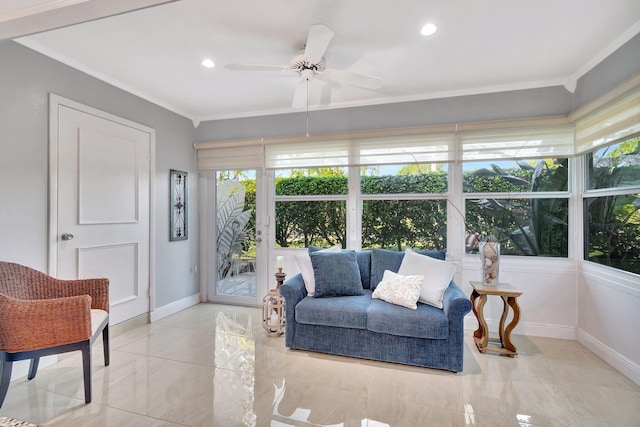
column 211, row 365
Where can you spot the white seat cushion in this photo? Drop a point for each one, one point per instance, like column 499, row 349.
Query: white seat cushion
column 97, row 317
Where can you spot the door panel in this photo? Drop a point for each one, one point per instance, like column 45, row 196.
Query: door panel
column 107, row 200
column 103, row 198
column 116, row 262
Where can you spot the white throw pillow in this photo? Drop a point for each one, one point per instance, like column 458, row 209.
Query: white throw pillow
column 437, row 275
column 399, row 290
column 306, row 268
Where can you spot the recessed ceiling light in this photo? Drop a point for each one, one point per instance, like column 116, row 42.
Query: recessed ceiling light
column 428, row 29
column 208, row 63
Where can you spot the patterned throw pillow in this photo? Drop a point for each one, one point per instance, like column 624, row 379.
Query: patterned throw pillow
column 399, row 290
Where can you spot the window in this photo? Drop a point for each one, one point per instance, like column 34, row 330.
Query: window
column 310, row 207
column 403, row 206
column 612, row 206
column 524, row 203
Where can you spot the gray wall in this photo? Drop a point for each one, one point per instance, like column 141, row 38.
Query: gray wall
column 621, row 65
column 615, row 69
column 26, row 79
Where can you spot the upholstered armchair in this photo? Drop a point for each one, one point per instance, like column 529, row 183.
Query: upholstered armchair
column 41, row 316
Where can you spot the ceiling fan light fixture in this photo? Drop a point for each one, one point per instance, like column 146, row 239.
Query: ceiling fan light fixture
column 428, row 29
column 208, row 63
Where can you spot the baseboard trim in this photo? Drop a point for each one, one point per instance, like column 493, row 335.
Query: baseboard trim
column 609, row 355
column 174, row 307
column 530, row 329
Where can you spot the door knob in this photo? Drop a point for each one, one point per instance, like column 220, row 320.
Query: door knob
column 258, row 240
column 66, row 236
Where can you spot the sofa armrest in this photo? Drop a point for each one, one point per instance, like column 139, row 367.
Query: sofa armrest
column 455, row 303
column 293, row 291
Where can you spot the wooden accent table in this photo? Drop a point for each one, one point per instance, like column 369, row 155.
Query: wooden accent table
column 509, row 296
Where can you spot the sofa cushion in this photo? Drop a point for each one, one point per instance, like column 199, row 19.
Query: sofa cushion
column 437, row 275
column 306, row 269
column 424, row 322
column 336, row 274
column 381, row 260
column 342, row 312
column 364, row 263
column 385, row 259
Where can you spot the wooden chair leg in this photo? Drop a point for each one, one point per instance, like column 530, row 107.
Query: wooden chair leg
column 33, row 368
column 5, row 379
column 105, row 344
column 86, row 368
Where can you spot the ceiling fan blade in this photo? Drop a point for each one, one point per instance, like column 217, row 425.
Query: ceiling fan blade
column 300, row 94
column 353, row 79
column 317, row 42
column 254, row 67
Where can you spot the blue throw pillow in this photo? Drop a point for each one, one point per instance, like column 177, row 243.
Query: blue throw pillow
column 336, row 274
column 385, row 259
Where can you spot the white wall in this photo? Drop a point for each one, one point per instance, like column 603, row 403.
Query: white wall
column 547, row 304
column 609, row 316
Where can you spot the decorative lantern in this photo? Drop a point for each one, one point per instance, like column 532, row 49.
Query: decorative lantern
column 273, row 314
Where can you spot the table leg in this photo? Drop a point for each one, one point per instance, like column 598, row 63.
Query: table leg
column 505, row 311
column 474, row 295
column 513, row 303
column 482, row 333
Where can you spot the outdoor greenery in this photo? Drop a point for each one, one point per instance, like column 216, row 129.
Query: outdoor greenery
column 612, row 235
column 385, row 223
column 525, row 225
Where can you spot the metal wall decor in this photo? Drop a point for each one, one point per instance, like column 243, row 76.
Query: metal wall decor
column 178, row 205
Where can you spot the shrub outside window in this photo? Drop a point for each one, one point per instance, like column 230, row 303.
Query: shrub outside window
column 524, row 203
column 310, row 207
column 403, row 206
column 612, row 206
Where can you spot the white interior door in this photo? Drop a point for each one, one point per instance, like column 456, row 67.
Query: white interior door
column 103, row 204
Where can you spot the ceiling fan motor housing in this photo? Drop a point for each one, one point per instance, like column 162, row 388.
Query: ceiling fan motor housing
column 304, row 68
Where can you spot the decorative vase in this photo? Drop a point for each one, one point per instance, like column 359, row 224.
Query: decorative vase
column 490, row 259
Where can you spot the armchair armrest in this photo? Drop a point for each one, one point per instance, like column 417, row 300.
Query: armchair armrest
column 36, row 324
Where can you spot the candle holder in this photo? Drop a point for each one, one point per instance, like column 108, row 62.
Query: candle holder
column 280, row 277
column 273, row 308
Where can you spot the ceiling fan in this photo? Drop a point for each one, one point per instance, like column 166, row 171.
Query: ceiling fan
column 309, row 63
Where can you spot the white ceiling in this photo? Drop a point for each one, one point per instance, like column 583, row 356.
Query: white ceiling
column 481, row 46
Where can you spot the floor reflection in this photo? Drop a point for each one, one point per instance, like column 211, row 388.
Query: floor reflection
column 212, row 365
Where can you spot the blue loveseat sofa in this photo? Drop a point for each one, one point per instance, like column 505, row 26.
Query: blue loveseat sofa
column 364, row 327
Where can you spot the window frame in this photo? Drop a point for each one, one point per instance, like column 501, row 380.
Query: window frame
column 568, row 194
column 586, row 194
